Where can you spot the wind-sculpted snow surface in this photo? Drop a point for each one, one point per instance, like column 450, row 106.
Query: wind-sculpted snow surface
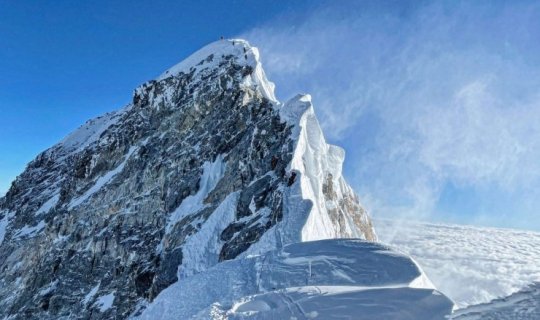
column 471, row 265
column 327, row 279
column 203, row 166
column 522, row 305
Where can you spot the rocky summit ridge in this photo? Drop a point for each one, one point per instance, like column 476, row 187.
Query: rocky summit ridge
column 204, row 165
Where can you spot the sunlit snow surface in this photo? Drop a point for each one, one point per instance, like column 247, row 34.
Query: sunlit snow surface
column 234, row 47
column 327, row 279
column 471, row 265
column 522, row 305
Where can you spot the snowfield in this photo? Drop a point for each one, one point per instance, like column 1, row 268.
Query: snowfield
column 471, row 265
column 327, row 279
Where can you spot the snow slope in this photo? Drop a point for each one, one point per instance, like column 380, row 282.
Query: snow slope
column 323, row 302
column 469, row 264
column 89, row 132
column 327, row 279
column 523, row 305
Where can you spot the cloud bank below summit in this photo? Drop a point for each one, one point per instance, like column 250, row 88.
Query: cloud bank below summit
column 436, row 104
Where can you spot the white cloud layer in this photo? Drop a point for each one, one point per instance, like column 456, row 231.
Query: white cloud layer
column 432, row 101
column 469, row 264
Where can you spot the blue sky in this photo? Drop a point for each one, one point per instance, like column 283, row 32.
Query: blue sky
column 436, row 103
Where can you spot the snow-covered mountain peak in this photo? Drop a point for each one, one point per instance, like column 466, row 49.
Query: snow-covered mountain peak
column 212, row 56
column 203, row 166
column 205, row 60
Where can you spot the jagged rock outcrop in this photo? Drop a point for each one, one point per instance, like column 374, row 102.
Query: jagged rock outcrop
column 204, row 165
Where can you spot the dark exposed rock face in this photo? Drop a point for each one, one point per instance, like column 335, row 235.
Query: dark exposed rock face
column 98, row 224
